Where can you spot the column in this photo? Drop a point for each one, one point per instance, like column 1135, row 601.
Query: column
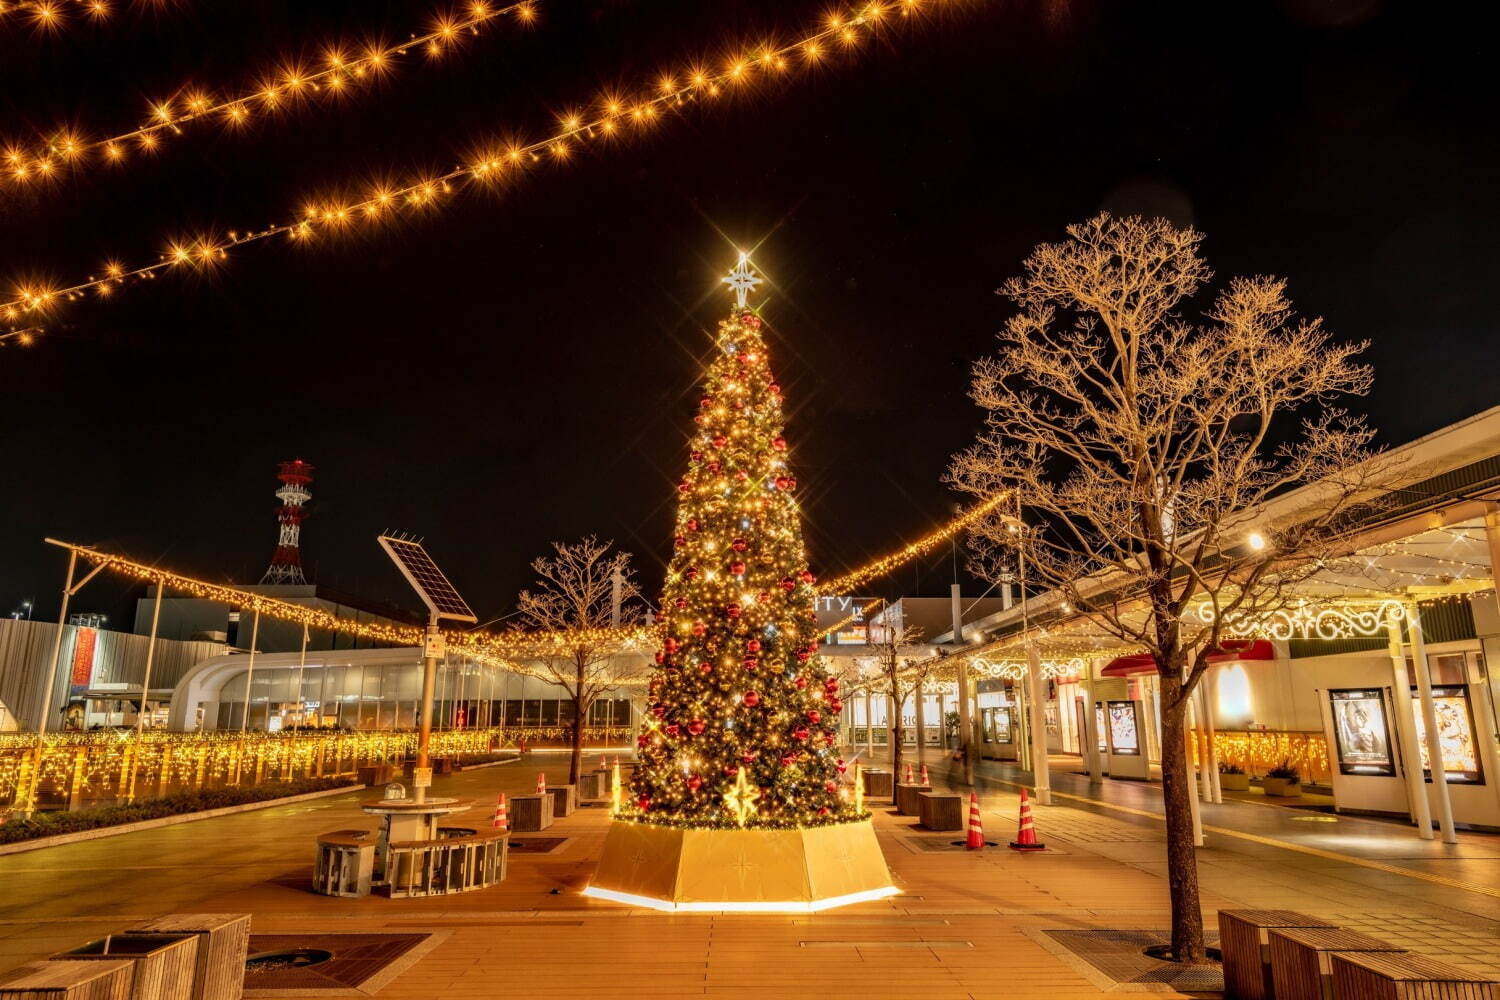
column 869, row 724
column 1041, row 774
column 1091, row 728
column 1406, row 733
column 921, row 696
column 967, row 744
column 1429, row 720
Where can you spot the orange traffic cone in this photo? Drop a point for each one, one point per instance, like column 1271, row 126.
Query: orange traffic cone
column 541, row 782
column 1026, row 830
column 906, row 774
column 502, row 816
column 924, row 780
column 976, row 830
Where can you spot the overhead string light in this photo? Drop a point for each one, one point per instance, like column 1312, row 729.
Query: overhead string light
column 50, row 16
column 613, row 116
column 341, row 70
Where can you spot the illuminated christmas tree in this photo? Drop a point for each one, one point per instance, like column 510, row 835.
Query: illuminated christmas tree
column 742, row 724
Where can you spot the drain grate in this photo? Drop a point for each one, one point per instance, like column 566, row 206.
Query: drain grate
column 1118, row 962
column 354, row 962
column 536, row 845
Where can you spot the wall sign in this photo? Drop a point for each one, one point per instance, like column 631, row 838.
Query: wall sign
column 1124, row 733
column 1361, row 734
column 1455, row 722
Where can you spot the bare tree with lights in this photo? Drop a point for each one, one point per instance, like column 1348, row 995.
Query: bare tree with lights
column 901, row 673
column 1143, row 447
column 584, row 588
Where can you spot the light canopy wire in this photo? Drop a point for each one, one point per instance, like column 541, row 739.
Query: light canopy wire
column 32, row 303
column 343, row 69
column 912, row 550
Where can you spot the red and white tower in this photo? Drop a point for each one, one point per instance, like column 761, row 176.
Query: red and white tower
column 286, row 564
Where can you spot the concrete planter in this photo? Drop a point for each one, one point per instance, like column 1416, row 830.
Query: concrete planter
column 1284, row 787
column 1234, row 782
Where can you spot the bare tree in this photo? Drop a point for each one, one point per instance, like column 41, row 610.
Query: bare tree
column 1144, row 447
column 900, row 674
column 587, row 591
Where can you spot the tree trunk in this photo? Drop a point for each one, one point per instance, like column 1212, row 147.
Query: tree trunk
column 1182, row 859
column 580, row 707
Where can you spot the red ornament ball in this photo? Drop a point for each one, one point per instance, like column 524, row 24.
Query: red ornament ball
column 750, row 662
column 695, row 782
column 807, row 576
column 643, row 803
column 753, row 646
column 692, row 524
column 752, row 698
column 680, row 542
column 779, row 443
column 737, row 568
column 706, row 667
column 814, row 716
column 831, row 787
column 720, row 441
column 739, row 545
column 670, row 645
column 732, row 610
column 697, row 726
column 801, row 682
column 788, row 584
column 800, row 734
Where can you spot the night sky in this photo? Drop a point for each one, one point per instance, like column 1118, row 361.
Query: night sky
column 520, row 367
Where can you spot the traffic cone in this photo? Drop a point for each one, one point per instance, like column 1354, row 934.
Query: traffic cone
column 502, row 816
column 1026, row 829
column 925, row 780
column 906, row 774
column 976, row 829
column 541, row 782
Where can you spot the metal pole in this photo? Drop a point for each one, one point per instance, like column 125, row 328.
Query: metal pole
column 961, row 671
column 140, row 717
column 1429, row 720
column 301, row 667
column 250, row 671
column 921, row 695
column 430, row 654
column 62, row 617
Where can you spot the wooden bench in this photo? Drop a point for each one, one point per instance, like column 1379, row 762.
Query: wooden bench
column 1244, row 942
column 162, row 965
column 907, row 801
column 564, row 799
column 531, row 813
column 878, row 783
column 459, row 860
column 1300, row 958
column 345, row 863
column 1374, row 976
column 223, row 943
column 940, row 811
column 68, row 980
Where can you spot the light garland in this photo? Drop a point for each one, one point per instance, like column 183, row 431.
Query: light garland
column 615, row 115
column 1310, row 620
column 913, row 550
column 341, row 72
column 53, row 15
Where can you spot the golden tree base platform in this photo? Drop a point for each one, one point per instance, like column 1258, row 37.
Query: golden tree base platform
column 748, row 871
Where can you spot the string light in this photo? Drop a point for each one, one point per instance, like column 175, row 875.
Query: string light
column 913, row 550
column 615, row 115
column 53, row 15
column 339, row 72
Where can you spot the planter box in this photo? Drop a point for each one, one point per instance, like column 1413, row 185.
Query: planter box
column 165, row 964
column 1244, row 939
column 531, row 813
column 223, row 941
column 908, row 802
column 1234, row 782
column 940, row 812
column 68, row 981
column 1284, row 787
column 879, row 784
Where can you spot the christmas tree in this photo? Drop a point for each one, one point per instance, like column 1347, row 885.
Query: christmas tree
column 742, row 724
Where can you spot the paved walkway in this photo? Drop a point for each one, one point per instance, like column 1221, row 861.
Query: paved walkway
column 968, row 925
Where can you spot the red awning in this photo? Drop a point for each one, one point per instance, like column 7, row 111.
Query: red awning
column 1232, row 649
column 1244, row 649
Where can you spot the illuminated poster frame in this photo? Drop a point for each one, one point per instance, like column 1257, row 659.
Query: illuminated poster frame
column 1124, row 728
column 1361, row 732
column 1456, row 732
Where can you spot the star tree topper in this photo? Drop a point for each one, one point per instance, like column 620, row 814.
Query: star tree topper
column 743, row 280
column 741, row 799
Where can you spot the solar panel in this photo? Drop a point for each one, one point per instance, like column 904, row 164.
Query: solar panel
column 425, row 577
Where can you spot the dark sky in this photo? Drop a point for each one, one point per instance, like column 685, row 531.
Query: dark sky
column 521, row 367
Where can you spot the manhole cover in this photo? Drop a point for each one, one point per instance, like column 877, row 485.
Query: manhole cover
column 277, row 961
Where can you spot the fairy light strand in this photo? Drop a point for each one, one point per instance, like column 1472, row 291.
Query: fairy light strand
column 615, row 115
column 50, row 16
column 913, row 550
column 341, row 72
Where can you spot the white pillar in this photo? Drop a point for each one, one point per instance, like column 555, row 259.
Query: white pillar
column 1406, row 732
column 1041, row 774
column 1429, row 720
column 967, row 743
column 1193, row 808
column 869, row 724
column 1091, row 729
column 1208, row 688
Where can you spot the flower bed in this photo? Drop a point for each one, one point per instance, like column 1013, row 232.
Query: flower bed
column 51, row 824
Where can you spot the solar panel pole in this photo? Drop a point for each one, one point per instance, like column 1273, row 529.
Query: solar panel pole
column 432, row 648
